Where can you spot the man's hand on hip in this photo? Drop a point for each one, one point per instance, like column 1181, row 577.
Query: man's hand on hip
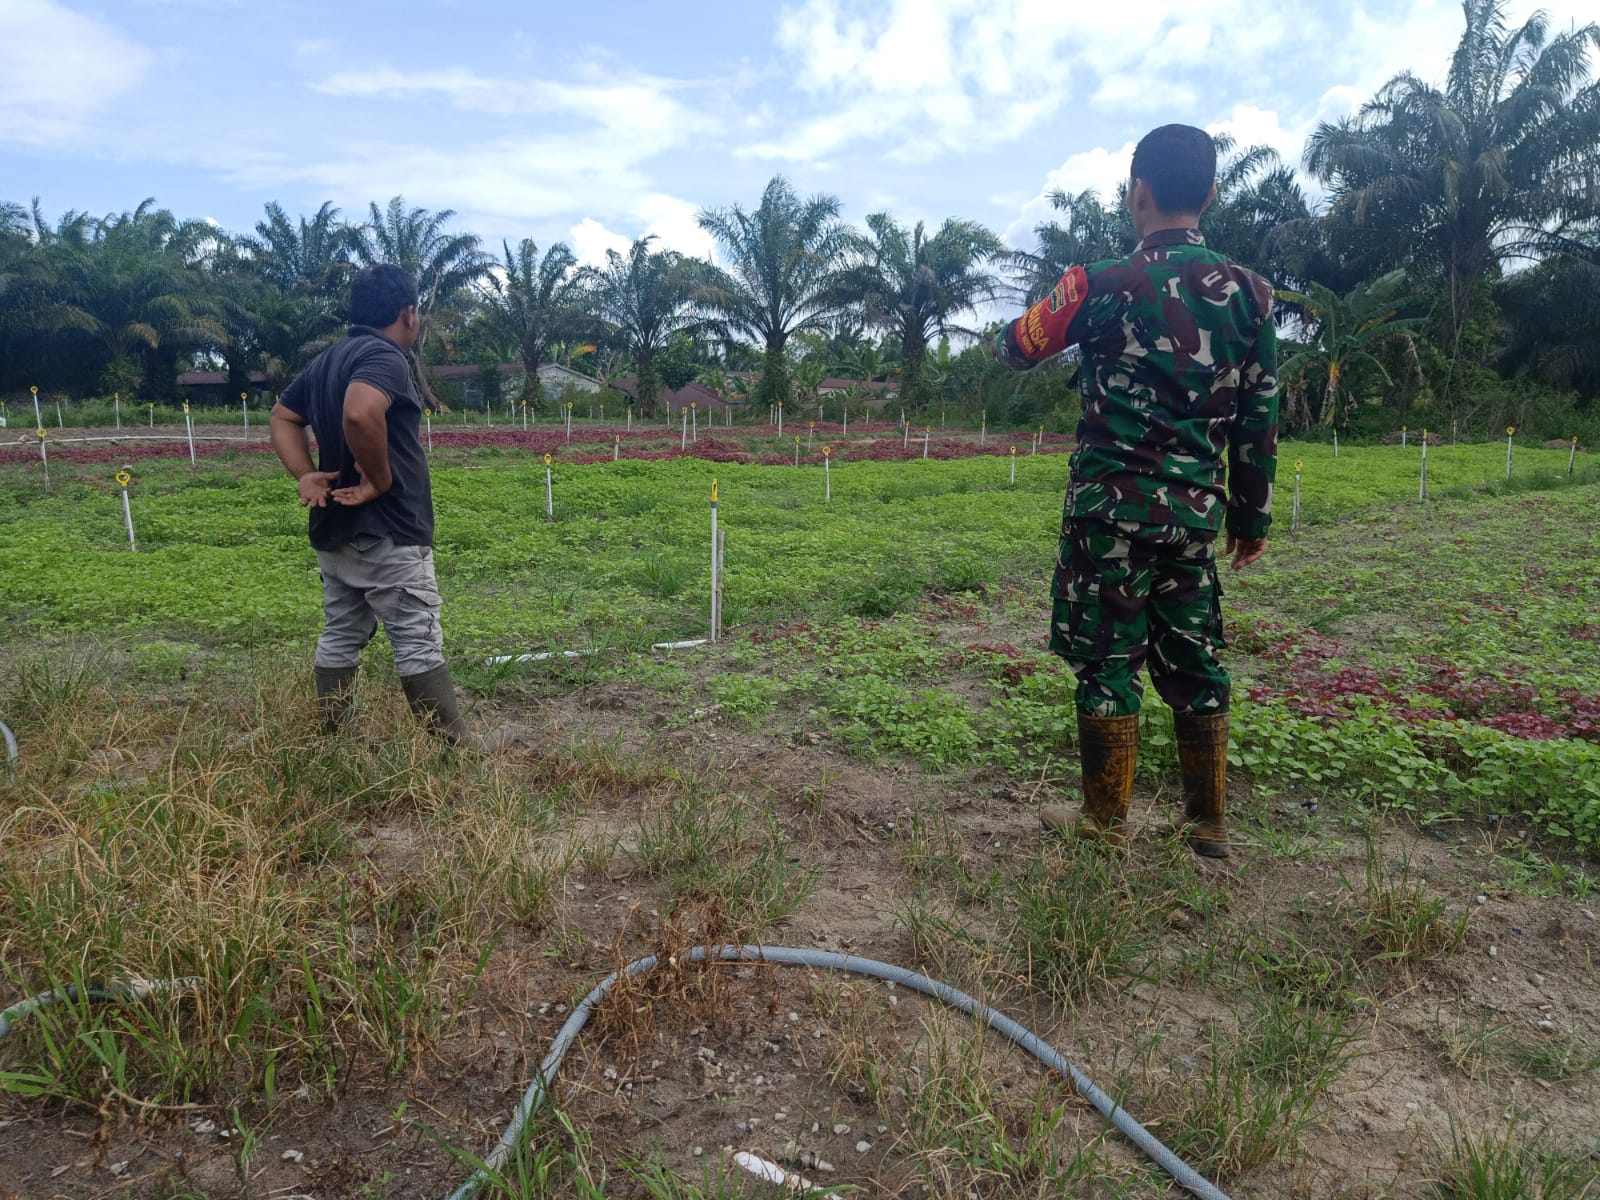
column 316, row 487
column 1245, row 551
column 363, row 492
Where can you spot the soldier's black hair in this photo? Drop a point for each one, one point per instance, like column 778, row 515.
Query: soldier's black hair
column 378, row 294
column 1179, row 162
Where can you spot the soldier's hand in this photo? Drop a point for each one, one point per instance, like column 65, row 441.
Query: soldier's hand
column 1245, row 551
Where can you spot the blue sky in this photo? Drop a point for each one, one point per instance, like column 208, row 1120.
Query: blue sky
column 593, row 123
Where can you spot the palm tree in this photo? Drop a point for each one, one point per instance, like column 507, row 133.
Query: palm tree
column 136, row 288
column 1338, row 357
column 311, row 255
column 782, row 274
column 916, row 286
column 1458, row 180
column 1553, row 311
column 535, row 302
column 444, row 264
column 647, row 296
column 1092, row 232
column 1256, row 195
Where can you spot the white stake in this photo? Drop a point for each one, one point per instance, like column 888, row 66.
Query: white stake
column 1402, row 437
column 616, row 447
column 780, row 418
column 694, row 422
column 38, row 421
column 722, row 560
column 123, row 480
column 1572, row 458
column 797, row 451
column 428, row 417
column 683, row 442
column 569, row 420
column 905, row 438
column 715, row 579
column 1422, row 488
column 1294, row 519
column 827, row 477
column 1452, row 433
column 1013, row 466
column 983, row 429
column 244, row 407
column 1511, row 432
column 925, row 434
column 846, row 423
column 44, row 457
column 116, row 401
column 630, row 418
column 152, row 416
column 188, row 424
column 549, row 494
column 1336, row 443
column 60, row 423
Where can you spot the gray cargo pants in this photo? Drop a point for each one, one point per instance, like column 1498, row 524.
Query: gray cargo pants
column 374, row 580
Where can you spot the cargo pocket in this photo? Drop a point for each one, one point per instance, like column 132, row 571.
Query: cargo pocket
column 1081, row 629
column 1219, row 635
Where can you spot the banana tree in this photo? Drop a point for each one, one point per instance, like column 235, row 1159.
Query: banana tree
column 1343, row 331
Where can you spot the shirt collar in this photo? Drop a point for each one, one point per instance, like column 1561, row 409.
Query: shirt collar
column 1173, row 237
column 369, row 331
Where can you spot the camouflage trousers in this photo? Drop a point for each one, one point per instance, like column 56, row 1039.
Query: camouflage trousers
column 1126, row 592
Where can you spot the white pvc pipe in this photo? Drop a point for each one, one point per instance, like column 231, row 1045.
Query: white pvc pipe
column 501, row 660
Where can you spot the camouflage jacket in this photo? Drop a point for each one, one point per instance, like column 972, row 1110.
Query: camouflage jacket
column 1180, row 358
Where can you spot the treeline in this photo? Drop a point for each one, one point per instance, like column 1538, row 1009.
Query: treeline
column 1453, row 268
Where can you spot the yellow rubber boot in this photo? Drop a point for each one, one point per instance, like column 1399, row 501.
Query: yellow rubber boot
column 1108, row 748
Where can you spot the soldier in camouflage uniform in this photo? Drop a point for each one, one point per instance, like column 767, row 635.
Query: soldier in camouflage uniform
column 1178, row 379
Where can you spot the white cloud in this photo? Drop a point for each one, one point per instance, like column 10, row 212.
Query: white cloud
column 58, row 69
column 1099, row 170
column 929, row 76
column 590, row 240
column 667, row 218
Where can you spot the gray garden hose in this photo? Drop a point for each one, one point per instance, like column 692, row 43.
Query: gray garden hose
column 1185, row 1175
column 12, row 757
column 132, row 989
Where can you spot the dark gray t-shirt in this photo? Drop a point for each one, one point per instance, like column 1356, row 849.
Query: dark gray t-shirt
column 404, row 513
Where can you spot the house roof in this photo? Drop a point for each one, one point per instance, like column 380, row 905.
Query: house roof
column 837, row 384
column 697, row 394
column 213, row 378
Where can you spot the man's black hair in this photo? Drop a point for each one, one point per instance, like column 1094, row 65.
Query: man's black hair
column 379, row 293
column 1179, row 162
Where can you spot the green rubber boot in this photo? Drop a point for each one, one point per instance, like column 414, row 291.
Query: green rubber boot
column 336, row 688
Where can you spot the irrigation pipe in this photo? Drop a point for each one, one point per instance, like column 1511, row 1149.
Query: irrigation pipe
column 1185, row 1175
column 199, row 437
column 130, row 989
column 500, row 660
column 12, row 757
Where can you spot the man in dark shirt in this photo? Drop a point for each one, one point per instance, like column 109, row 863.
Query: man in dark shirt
column 371, row 503
column 1178, row 442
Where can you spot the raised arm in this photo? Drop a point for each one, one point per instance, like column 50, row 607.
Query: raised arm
column 1047, row 328
column 1253, row 450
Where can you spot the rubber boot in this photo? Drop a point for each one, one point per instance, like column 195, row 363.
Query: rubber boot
column 1109, row 750
column 1203, row 765
column 335, row 695
column 432, row 698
